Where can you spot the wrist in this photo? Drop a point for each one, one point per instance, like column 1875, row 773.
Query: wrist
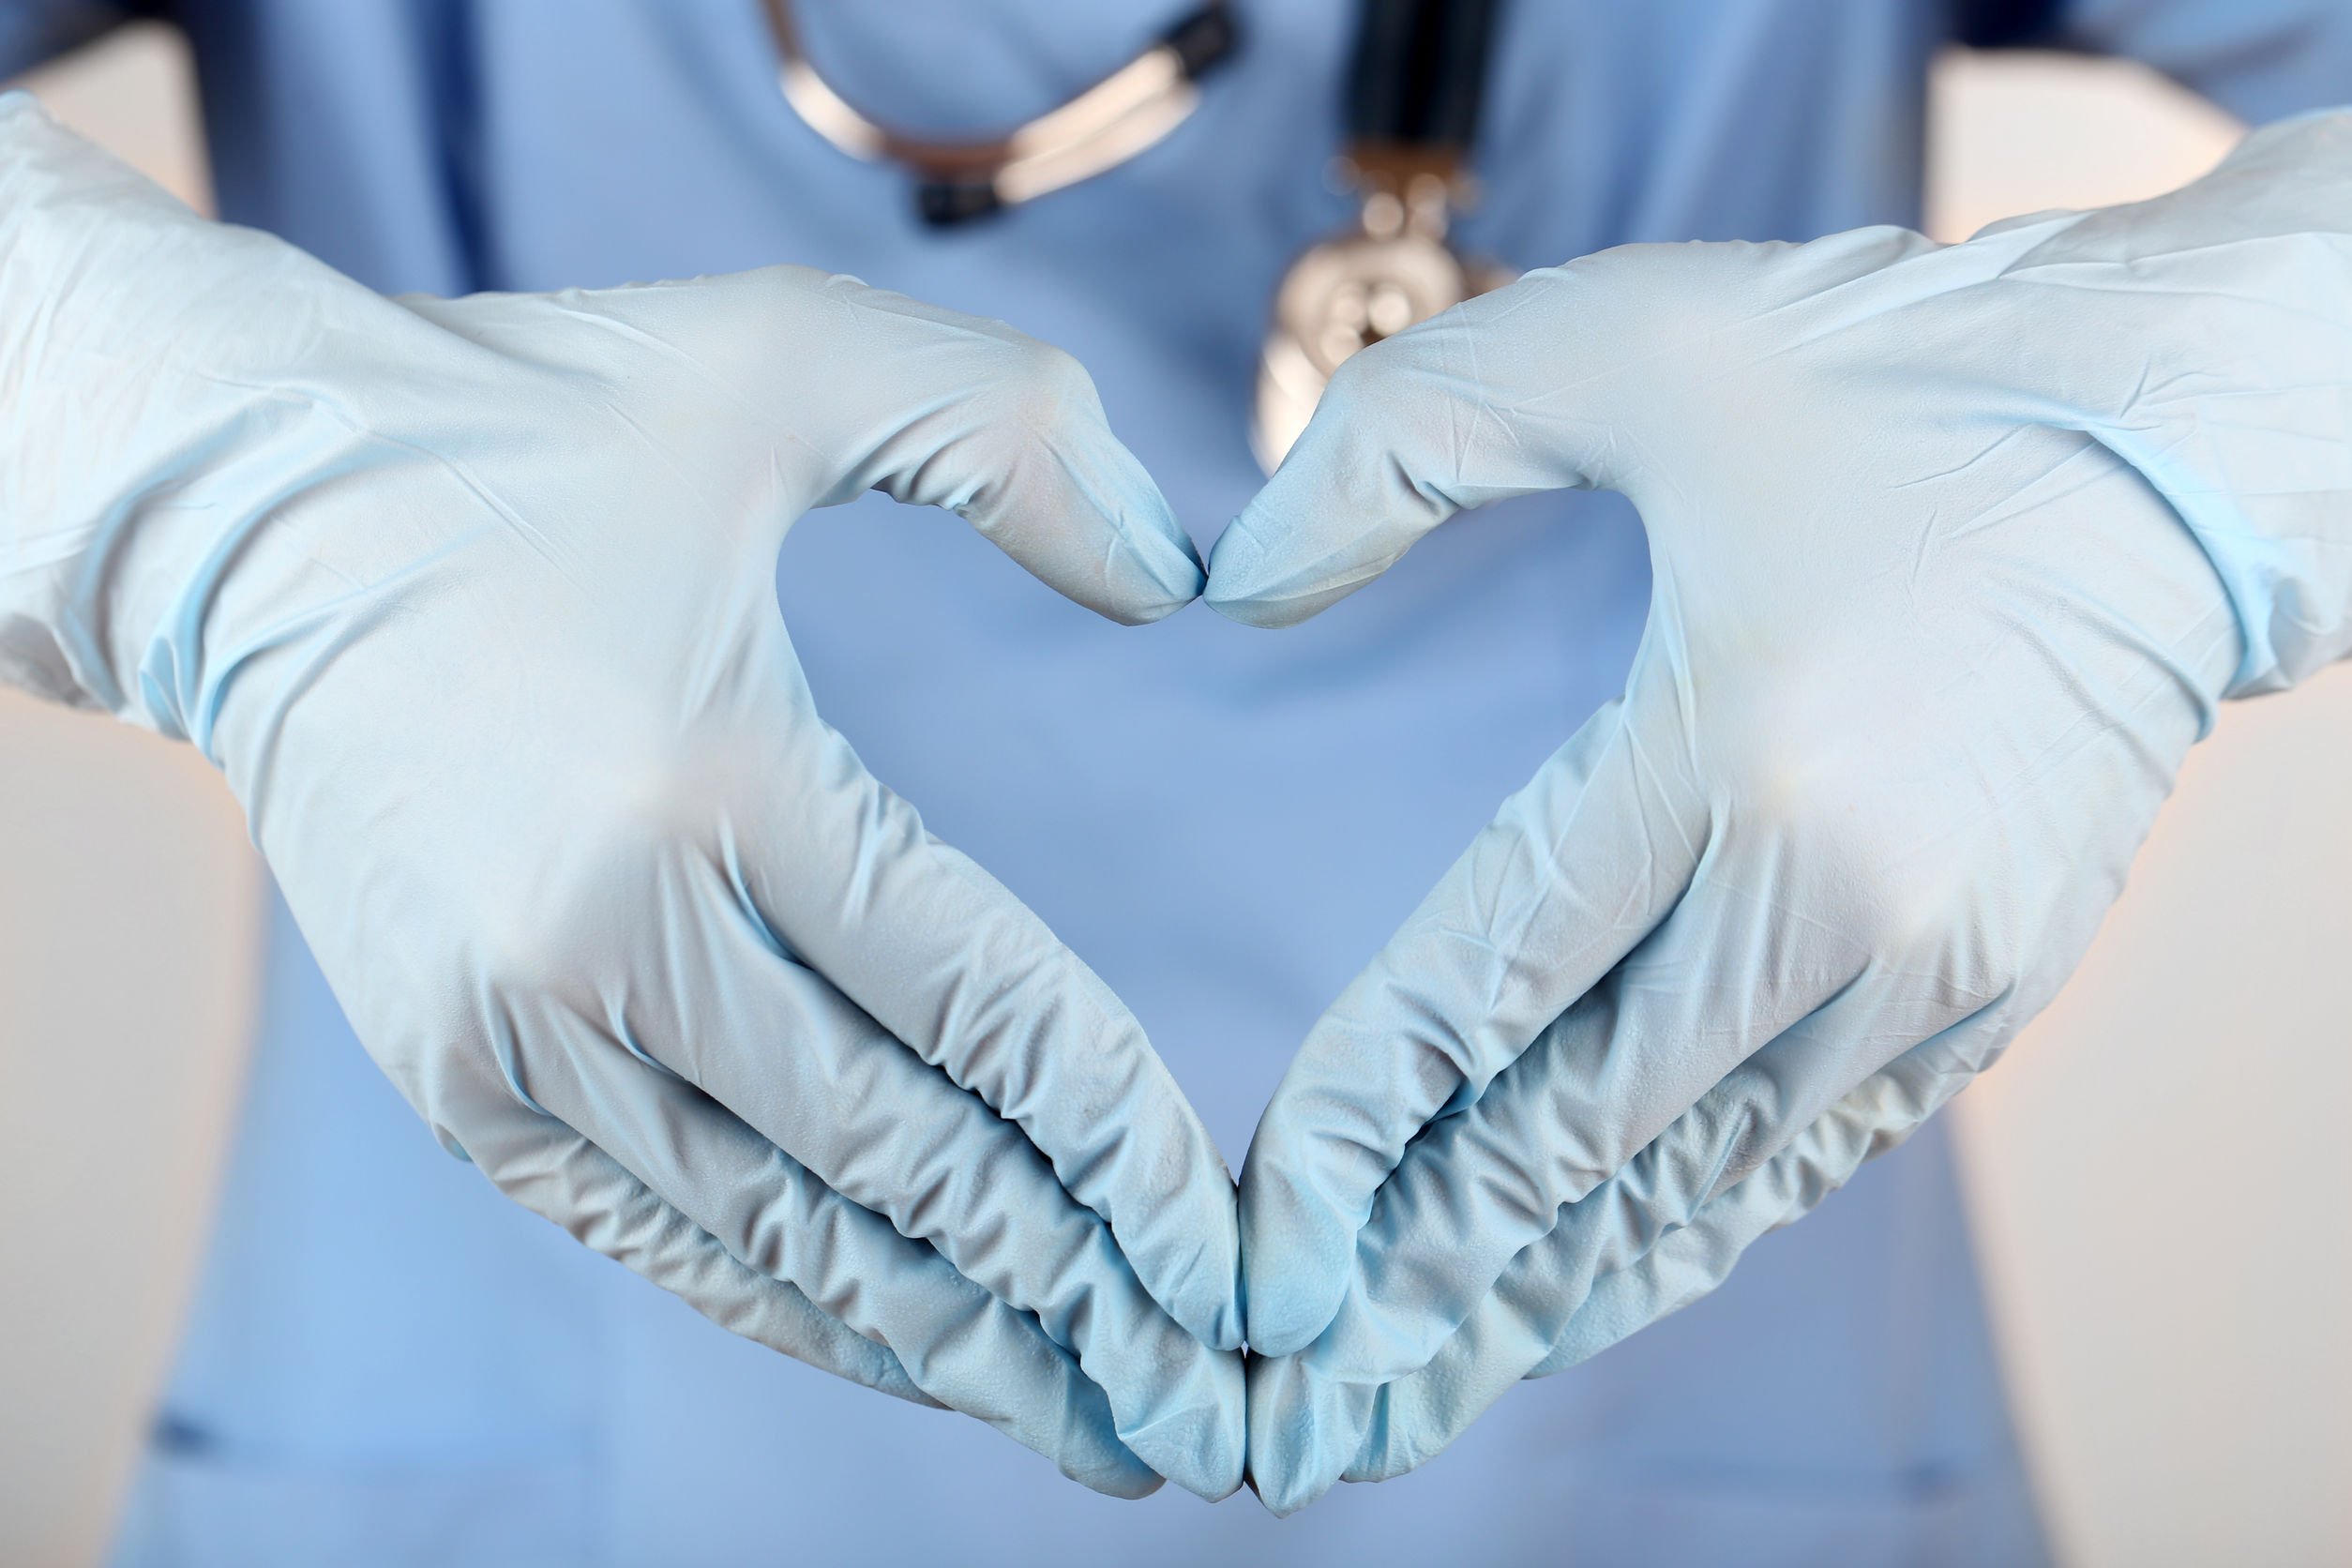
column 162, row 426
column 2246, row 429
column 94, row 545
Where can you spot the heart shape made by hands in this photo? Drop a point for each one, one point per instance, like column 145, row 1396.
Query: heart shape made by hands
column 1953, row 551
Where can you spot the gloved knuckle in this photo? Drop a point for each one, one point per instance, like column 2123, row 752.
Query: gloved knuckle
column 1355, row 383
column 555, row 927
column 456, row 1077
column 1792, row 796
column 1775, row 759
column 1884, row 867
column 523, row 944
column 1045, row 382
column 1354, row 423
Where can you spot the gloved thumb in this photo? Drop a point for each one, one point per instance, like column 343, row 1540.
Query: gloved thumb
column 831, row 388
column 1009, row 433
column 1512, row 393
column 1409, row 433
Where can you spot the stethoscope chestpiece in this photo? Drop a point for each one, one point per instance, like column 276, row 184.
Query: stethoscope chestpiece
column 1391, row 270
column 1415, row 77
column 1414, row 82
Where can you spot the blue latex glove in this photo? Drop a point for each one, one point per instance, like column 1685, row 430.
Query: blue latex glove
column 1954, row 549
column 473, row 602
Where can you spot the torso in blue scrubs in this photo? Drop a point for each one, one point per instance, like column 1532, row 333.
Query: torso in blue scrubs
column 389, row 1363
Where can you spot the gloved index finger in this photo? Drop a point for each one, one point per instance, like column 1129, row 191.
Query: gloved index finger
column 783, row 1051
column 1573, row 872
column 966, row 975
column 956, row 1342
column 1412, row 430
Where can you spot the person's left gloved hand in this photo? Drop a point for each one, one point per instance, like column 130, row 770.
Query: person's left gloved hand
column 1954, row 549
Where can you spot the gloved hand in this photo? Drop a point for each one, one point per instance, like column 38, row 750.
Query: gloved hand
column 473, row 602
column 1953, row 550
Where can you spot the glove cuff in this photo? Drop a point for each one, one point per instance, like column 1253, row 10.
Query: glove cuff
column 156, row 424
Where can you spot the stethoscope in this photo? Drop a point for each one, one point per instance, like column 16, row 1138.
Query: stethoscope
column 1415, row 77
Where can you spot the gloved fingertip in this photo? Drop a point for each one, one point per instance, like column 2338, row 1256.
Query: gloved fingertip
column 1202, row 1295
column 1341, row 510
column 1283, row 1322
column 1294, row 1259
column 1206, row 1299
column 1222, row 1489
column 1151, row 568
column 1285, row 1469
column 1204, row 1453
column 1190, row 1425
column 1167, row 573
column 1090, row 1453
column 1063, row 497
column 1243, row 580
column 1225, row 1457
column 1128, row 1482
column 1210, row 1309
column 1282, row 1506
column 1182, row 1237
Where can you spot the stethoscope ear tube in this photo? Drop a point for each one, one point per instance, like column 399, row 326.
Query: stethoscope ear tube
column 1418, row 73
column 956, row 182
column 1416, row 76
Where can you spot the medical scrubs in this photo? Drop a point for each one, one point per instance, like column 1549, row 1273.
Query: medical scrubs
column 390, row 1363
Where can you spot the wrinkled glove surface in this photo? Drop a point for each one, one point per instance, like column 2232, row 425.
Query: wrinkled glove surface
column 1954, row 549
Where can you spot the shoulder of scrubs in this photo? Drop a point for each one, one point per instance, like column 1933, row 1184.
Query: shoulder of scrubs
column 33, row 31
column 2262, row 60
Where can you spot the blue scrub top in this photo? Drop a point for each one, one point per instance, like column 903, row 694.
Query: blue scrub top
column 388, row 1363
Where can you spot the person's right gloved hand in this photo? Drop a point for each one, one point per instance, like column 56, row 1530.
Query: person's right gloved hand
column 472, row 601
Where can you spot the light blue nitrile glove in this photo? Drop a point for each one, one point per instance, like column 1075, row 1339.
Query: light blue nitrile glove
column 1954, row 549
column 473, row 602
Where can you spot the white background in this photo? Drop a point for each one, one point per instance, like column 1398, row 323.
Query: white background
column 2155, row 1170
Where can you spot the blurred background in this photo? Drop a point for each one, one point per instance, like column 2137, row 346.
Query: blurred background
column 2152, row 1172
